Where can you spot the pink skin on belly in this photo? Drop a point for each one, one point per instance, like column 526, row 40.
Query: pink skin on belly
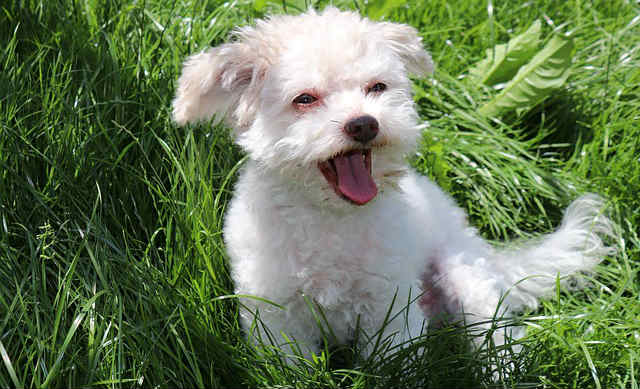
column 436, row 304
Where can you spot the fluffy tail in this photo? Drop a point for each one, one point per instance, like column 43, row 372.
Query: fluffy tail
column 531, row 271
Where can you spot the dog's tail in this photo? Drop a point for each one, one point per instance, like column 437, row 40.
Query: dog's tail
column 531, row 271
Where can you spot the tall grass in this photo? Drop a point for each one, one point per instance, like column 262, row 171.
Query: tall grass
column 112, row 264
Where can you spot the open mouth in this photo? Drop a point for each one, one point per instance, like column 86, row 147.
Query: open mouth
column 349, row 174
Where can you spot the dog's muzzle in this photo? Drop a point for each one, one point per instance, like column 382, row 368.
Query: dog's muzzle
column 349, row 173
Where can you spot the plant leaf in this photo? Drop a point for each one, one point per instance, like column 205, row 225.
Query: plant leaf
column 503, row 61
column 547, row 71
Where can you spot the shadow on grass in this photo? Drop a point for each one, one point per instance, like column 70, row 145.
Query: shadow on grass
column 559, row 125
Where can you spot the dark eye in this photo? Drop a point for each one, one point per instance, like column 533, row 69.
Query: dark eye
column 378, row 87
column 305, row 99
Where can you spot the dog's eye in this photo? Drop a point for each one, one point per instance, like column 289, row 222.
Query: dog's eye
column 305, row 99
column 378, row 87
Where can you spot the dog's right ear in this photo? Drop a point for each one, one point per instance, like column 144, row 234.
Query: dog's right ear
column 405, row 41
column 223, row 81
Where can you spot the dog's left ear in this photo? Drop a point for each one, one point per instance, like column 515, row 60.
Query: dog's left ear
column 407, row 44
column 222, row 82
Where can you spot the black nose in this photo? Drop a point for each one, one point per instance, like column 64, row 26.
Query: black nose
column 362, row 129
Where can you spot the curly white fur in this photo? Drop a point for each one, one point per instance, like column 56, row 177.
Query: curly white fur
column 291, row 237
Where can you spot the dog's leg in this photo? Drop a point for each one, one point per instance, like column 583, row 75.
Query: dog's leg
column 290, row 328
column 509, row 280
column 396, row 325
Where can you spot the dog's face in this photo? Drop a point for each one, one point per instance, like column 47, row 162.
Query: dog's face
column 321, row 99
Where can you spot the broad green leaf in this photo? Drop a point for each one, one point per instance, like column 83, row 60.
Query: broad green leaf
column 547, row 71
column 503, row 61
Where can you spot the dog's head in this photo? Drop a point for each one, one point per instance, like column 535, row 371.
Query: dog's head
column 323, row 99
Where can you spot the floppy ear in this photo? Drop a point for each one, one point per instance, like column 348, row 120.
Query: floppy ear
column 222, row 81
column 407, row 44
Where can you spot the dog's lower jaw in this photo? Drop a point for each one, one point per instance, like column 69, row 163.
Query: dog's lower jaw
column 349, row 174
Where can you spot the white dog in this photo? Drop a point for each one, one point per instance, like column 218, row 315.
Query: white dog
column 326, row 210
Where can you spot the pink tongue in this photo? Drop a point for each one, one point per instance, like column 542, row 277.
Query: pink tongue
column 354, row 180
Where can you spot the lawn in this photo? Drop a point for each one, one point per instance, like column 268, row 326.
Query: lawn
column 113, row 270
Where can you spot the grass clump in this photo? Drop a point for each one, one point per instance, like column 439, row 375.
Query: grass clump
column 112, row 263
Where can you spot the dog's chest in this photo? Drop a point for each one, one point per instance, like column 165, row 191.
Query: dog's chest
column 358, row 259
column 281, row 248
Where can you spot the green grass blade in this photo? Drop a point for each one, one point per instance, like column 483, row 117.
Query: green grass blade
column 592, row 367
column 7, row 363
column 65, row 344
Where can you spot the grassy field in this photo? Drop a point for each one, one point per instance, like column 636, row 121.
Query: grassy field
column 112, row 266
